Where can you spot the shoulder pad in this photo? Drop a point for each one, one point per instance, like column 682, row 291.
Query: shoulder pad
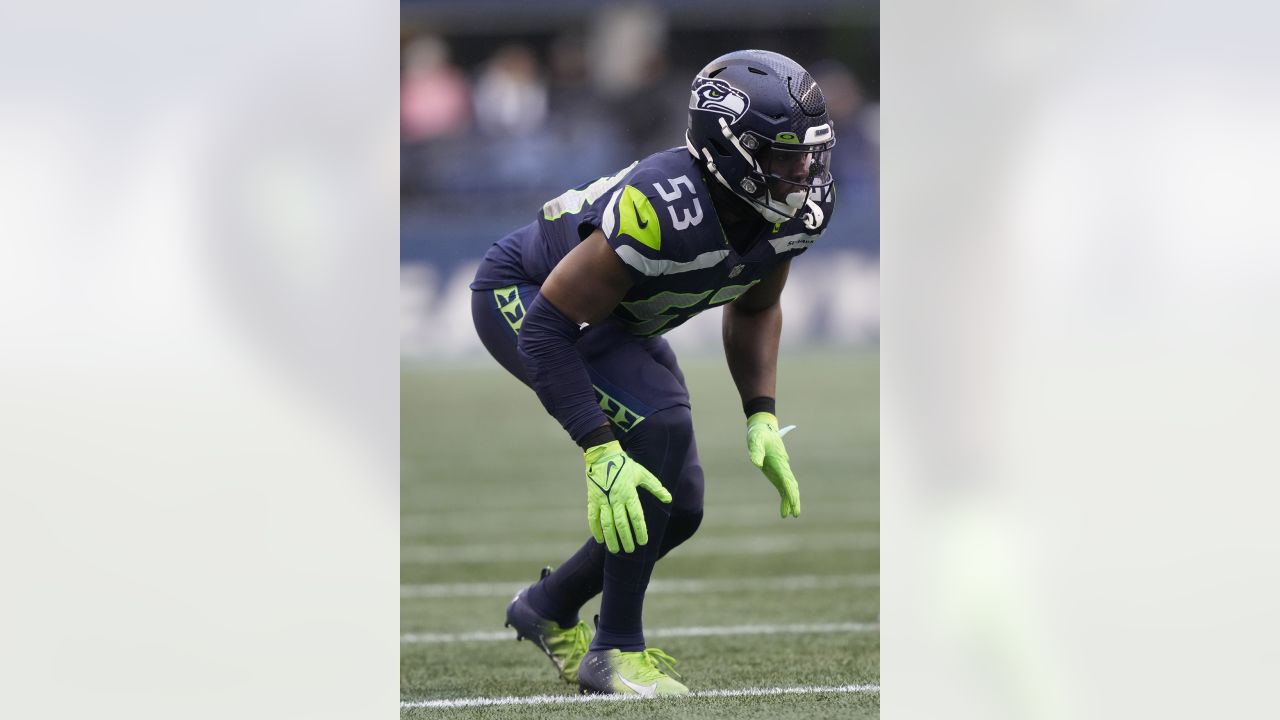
column 659, row 224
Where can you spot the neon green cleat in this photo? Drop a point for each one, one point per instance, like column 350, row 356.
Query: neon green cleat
column 564, row 646
column 612, row 672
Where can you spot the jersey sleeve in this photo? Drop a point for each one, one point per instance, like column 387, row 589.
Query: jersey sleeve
column 647, row 221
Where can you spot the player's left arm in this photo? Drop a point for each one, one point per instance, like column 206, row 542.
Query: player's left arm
column 752, row 327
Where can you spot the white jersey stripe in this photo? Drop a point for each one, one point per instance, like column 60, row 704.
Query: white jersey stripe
column 606, row 223
column 654, row 268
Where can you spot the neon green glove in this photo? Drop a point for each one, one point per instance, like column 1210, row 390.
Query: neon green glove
column 613, row 507
column 764, row 443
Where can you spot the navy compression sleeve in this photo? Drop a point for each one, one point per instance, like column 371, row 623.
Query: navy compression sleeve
column 557, row 371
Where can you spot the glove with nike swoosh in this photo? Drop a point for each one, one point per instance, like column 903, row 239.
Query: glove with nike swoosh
column 613, row 505
column 764, row 443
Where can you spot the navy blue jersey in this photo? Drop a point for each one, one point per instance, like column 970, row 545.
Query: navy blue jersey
column 657, row 214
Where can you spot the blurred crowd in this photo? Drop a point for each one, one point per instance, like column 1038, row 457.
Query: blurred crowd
column 492, row 127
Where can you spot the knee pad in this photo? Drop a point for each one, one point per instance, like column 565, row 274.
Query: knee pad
column 688, row 522
column 680, row 527
column 662, row 442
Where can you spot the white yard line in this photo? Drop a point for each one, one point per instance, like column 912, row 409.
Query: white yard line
column 752, row 544
column 787, row 583
column 694, row 631
column 562, row 699
column 748, row 515
column 846, row 627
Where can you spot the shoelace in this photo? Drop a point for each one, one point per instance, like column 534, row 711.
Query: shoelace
column 661, row 661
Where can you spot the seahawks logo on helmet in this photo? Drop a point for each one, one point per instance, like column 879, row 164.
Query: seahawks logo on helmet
column 718, row 96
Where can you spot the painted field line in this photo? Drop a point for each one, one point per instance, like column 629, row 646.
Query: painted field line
column 752, row 544
column 563, row 699
column 786, row 583
column 736, row 515
column 694, row 631
column 464, row 528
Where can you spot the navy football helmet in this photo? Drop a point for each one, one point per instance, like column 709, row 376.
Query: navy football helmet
column 758, row 123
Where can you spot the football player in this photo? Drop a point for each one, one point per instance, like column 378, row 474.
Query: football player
column 575, row 305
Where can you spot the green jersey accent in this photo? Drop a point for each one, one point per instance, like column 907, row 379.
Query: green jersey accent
column 621, row 415
column 725, row 294
column 663, row 302
column 511, row 306
column 571, row 201
column 653, row 314
column 658, row 312
column 636, row 218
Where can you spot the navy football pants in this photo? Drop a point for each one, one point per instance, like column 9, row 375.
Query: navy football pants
column 642, row 390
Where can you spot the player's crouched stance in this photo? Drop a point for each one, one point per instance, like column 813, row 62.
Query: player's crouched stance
column 575, row 304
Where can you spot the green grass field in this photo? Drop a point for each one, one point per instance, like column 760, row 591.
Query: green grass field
column 492, row 491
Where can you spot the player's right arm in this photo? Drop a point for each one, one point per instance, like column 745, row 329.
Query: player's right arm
column 584, row 287
column 588, row 283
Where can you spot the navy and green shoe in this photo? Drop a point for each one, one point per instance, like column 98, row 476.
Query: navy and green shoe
column 564, row 646
column 646, row 673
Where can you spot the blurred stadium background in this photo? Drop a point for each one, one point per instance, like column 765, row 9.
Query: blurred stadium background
column 505, row 105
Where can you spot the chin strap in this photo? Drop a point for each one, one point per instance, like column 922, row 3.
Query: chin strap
column 813, row 218
column 768, row 210
column 728, row 135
